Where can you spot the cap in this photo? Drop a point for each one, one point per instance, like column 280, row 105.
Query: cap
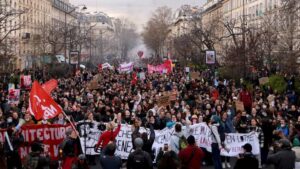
column 138, row 142
column 247, row 147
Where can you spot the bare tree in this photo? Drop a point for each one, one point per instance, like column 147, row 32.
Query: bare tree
column 289, row 38
column 9, row 23
column 269, row 39
column 157, row 28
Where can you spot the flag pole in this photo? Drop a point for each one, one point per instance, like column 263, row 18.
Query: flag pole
column 72, row 125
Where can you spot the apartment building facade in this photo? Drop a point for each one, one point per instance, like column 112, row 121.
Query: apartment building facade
column 35, row 13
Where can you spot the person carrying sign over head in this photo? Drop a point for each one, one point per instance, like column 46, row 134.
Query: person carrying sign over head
column 110, row 134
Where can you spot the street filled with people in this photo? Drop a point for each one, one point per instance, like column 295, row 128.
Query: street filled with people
column 134, row 99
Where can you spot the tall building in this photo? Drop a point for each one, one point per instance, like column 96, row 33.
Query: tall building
column 36, row 13
column 102, row 36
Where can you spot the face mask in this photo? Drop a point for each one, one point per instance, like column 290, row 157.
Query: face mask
column 9, row 120
column 27, row 119
column 282, row 125
column 229, row 112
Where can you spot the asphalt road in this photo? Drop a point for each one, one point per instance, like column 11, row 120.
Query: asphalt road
column 203, row 167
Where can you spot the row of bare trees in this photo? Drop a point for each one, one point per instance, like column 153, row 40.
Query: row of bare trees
column 242, row 45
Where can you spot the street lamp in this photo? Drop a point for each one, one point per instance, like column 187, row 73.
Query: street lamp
column 65, row 37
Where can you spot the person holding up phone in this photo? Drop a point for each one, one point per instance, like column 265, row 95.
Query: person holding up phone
column 167, row 158
column 110, row 134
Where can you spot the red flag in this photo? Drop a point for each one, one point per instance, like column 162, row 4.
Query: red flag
column 140, row 54
column 41, row 105
column 99, row 67
column 50, row 85
column 168, row 65
column 134, row 78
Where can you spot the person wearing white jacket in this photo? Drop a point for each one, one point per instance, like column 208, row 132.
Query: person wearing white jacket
column 174, row 140
column 216, row 144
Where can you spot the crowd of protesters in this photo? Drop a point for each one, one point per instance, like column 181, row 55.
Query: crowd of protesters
column 117, row 98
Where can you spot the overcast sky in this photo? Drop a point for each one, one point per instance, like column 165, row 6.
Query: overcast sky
column 138, row 11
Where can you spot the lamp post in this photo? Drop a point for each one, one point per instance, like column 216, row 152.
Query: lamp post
column 65, row 36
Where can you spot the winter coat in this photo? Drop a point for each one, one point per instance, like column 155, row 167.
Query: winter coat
column 283, row 159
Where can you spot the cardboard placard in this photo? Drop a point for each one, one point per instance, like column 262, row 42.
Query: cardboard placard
column 93, row 85
column 173, row 96
column 195, row 75
column 164, row 100
column 239, row 106
column 263, row 80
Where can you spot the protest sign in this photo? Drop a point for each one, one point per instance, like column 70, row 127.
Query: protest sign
column 173, row 96
column 11, row 86
column 164, row 100
column 187, row 69
column 126, row 67
column 25, row 81
column 89, row 136
column 201, row 132
column 50, row 135
column 263, row 80
column 210, row 57
column 142, row 76
column 92, row 85
column 239, row 106
column 195, row 75
column 13, row 96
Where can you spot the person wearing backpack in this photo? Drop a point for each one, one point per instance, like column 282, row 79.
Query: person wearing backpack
column 108, row 160
column 139, row 159
column 178, row 139
column 218, row 136
column 191, row 157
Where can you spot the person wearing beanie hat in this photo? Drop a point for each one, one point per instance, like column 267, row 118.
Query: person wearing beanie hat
column 285, row 158
column 139, row 159
column 191, row 156
column 247, row 160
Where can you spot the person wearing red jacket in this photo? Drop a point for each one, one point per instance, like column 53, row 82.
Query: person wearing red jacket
column 191, row 157
column 246, row 98
column 109, row 135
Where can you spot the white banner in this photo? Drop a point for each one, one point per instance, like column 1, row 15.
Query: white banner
column 89, row 136
column 107, row 65
column 126, row 67
column 201, row 132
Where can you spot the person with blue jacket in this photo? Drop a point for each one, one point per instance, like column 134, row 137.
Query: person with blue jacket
column 283, row 127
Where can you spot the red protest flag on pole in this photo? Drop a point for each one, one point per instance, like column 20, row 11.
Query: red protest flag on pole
column 41, row 105
column 50, row 85
column 99, row 67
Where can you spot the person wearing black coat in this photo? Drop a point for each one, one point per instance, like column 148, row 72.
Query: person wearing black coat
column 13, row 140
column 247, row 160
column 149, row 142
column 285, row 158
